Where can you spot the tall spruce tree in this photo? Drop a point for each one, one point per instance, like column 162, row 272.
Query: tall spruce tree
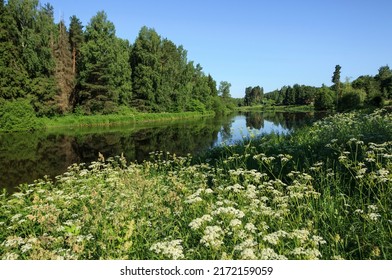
column 76, row 39
column 105, row 75
column 145, row 69
column 13, row 76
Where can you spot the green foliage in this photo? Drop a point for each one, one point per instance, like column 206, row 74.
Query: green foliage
column 336, row 80
column 93, row 71
column 384, row 77
column 196, row 106
column 18, row 115
column 105, row 76
column 253, row 96
column 351, row 99
column 224, row 89
column 324, row 99
column 296, row 95
column 76, row 39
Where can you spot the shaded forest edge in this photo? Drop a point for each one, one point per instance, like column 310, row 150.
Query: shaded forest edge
column 49, row 70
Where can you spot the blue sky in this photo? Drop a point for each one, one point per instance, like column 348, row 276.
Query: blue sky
column 267, row 43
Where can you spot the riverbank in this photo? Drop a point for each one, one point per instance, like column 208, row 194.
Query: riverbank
column 74, row 120
column 119, row 119
column 323, row 192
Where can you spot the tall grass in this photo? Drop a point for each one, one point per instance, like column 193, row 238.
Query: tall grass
column 271, row 198
column 118, row 119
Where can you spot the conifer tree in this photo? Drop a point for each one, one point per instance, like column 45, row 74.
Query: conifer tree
column 76, row 39
column 105, row 75
column 65, row 78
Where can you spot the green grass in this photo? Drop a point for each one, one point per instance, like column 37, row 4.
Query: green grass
column 323, row 192
column 118, row 119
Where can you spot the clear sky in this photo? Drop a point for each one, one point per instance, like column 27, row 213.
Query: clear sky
column 270, row 43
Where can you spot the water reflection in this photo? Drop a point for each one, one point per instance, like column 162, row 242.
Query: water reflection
column 259, row 123
column 25, row 157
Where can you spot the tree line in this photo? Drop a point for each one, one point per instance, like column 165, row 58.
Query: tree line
column 89, row 70
column 366, row 90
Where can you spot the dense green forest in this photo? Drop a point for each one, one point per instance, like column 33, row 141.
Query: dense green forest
column 49, row 69
column 364, row 91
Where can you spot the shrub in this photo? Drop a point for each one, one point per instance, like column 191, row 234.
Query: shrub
column 324, row 99
column 18, row 115
column 196, row 106
column 351, row 100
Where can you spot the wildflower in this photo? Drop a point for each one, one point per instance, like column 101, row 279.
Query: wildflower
column 26, row 247
column 318, row 240
column 248, row 254
column 172, row 249
column 236, row 188
column 10, row 256
column 15, row 217
column 198, row 222
column 13, row 241
column 250, row 227
column 251, row 192
column 229, row 211
column 375, row 252
column 270, row 254
column 310, row 253
column 373, row 216
column 300, row 234
column 212, row 237
column 208, row 191
column 235, row 222
column 273, row 238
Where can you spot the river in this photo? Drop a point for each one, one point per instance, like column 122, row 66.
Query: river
column 25, row 157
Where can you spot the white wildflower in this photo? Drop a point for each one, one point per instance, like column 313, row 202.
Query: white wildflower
column 16, row 217
column 318, row 240
column 373, row 216
column 198, row 222
column 301, row 234
column 212, row 237
column 251, row 192
column 273, row 238
column 10, row 256
column 208, row 191
column 248, row 254
column 270, row 254
column 228, row 211
column 26, row 247
column 172, row 249
column 235, row 222
column 250, row 227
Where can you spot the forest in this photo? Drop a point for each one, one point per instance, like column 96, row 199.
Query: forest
column 366, row 90
column 49, row 69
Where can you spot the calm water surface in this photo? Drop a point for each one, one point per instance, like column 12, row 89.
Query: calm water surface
column 25, row 157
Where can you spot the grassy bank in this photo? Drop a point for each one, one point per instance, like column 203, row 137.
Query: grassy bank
column 118, row 119
column 324, row 192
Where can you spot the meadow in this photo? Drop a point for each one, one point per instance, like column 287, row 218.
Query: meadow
column 321, row 192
